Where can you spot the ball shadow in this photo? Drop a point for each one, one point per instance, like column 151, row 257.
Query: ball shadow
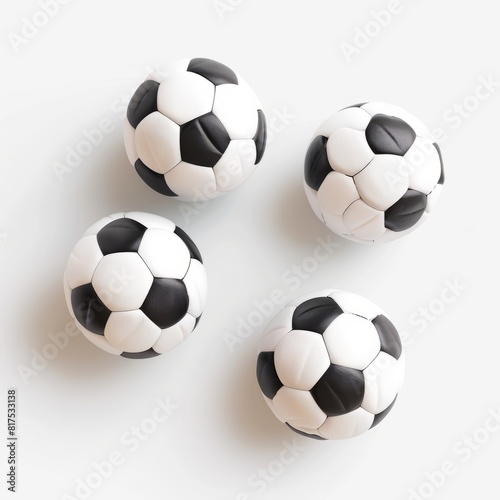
column 299, row 224
column 48, row 326
column 123, row 190
column 251, row 421
column 295, row 216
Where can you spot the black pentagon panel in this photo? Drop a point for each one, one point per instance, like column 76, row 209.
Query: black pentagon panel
column 315, row 315
column 167, row 302
column 380, row 416
column 267, row 377
column 441, row 178
column 389, row 135
column 339, row 391
column 143, row 102
column 316, row 165
column 150, row 353
column 121, row 235
column 305, row 434
column 406, row 212
column 88, row 309
column 390, row 342
column 203, row 140
column 260, row 137
column 153, row 179
column 193, row 249
column 214, row 71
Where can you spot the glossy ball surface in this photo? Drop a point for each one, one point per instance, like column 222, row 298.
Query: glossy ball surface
column 330, row 365
column 373, row 172
column 135, row 284
column 194, row 130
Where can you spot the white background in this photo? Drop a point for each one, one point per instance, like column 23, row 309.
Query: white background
column 74, row 409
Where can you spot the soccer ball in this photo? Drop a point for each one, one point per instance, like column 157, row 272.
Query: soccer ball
column 330, row 365
column 135, row 284
column 194, row 130
column 373, row 172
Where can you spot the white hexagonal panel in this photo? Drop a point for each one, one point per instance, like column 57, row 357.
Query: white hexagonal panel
column 83, row 261
column 301, row 359
column 389, row 235
column 234, row 105
column 336, row 193
column 364, row 221
column 298, row 408
column 185, row 96
column 348, row 151
column 122, row 281
column 383, row 182
column 273, row 409
column 157, row 142
column 99, row 341
column 192, row 182
column 276, row 330
column 165, row 71
column 67, row 296
column 352, row 341
column 424, row 165
column 197, row 287
column 335, row 223
column 175, row 335
column 346, row 426
column 165, row 254
column 433, row 197
column 129, row 140
column 383, row 379
column 312, row 197
column 356, row 304
column 374, row 108
column 131, row 331
column 352, row 118
column 235, row 165
column 251, row 95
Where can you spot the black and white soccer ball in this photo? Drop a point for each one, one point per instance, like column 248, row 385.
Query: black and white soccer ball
column 135, row 284
column 373, row 172
column 194, row 129
column 330, row 365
